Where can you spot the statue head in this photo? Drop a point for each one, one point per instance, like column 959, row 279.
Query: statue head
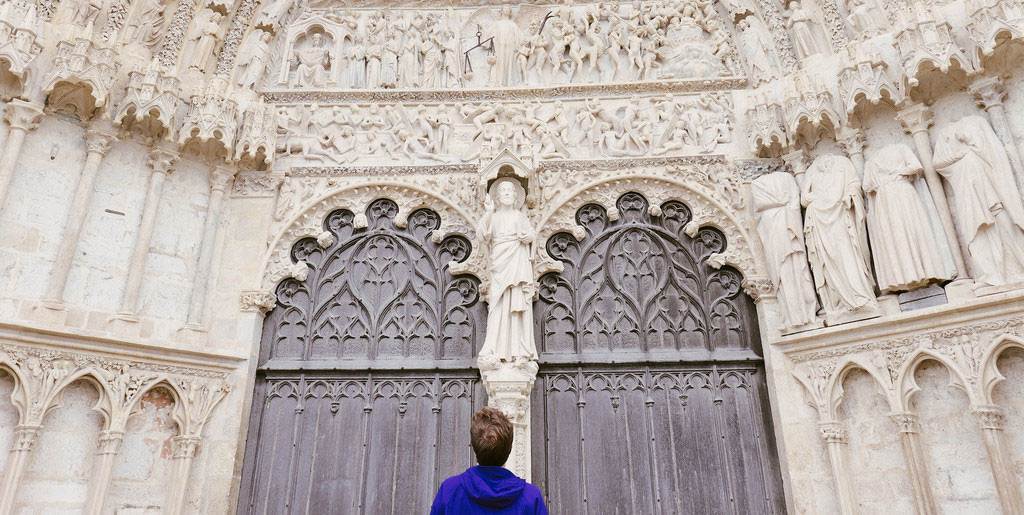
column 508, row 193
column 506, row 12
column 318, row 39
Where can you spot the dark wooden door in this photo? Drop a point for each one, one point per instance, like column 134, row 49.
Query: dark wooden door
column 651, row 394
column 366, row 378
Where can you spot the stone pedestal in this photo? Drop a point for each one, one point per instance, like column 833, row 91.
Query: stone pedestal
column 508, row 388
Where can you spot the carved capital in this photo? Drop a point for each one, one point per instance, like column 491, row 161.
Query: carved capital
column 797, row 161
column 184, row 447
column 110, row 442
column 851, row 139
column 25, row 436
column 220, row 178
column 907, row 422
column 98, row 140
column 833, row 432
column 23, row 115
column 758, row 288
column 162, row 160
column 989, row 92
column 915, row 118
column 989, row 416
column 260, row 301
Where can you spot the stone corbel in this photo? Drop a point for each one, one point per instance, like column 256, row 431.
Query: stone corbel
column 508, row 386
column 925, row 39
column 865, row 76
column 20, row 28
column 150, row 102
column 257, row 301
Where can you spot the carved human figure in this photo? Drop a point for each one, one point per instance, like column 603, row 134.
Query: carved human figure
column 374, row 51
column 430, row 48
column 776, row 200
column 903, row 242
column 272, row 12
column 87, row 13
column 313, row 62
column 800, row 23
column 508, row 235
column 204, row 37
column 389, row 60
column 148, row 26
column 357, row 63
column 866, row 18
column 409, row 60
column 252, row 58
column 507, row 38
column 452, row 59
column 837, row 243
column 758, row 50
column 986, row 201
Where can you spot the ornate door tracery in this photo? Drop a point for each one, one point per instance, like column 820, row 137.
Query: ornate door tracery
column 366, row 378
column 650, row 363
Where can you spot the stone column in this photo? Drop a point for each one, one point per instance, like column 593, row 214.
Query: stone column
column 835, row 436
column 25, row 437
column 99, row 482
column 991, row 417
column 160, row 161
column 989, row 93
column 22, row 117
column 916, row 118
column 184, row 450
column 98, row 141
column 852, row 141
column 910, row 438
column 219, row 180
column 508, row 388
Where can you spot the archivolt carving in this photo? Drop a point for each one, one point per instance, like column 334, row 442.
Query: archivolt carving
column 712, row 192
column 308, row 223
column 968, row 352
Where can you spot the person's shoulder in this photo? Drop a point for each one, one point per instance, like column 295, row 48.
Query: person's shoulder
column 451, row 483
column 531, row 491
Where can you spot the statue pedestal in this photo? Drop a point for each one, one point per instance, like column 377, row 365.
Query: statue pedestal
column 508, row 386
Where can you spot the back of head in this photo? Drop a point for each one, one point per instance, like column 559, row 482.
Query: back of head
column 490, row 433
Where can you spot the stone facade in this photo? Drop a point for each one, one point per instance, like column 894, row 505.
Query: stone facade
column 161, row 160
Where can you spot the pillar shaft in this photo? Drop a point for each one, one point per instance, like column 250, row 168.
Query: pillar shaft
column 218, row 182
column 916, row 119
column 910, row 440
column 22, row 117
column 989, row 93
column 99, row 482
column 25, row 438
column 990, row 418
column 835, row 437
column 98, row 142
column 184, row 450
column 160, row 161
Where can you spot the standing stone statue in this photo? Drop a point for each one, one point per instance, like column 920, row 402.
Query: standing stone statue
column 758, row 50
column 903, row 241
column 776, row 199
column 252, row 58
column 507, row 232
column 801, row 24
column 837, row 242
column 507, row 39
column 987, row 203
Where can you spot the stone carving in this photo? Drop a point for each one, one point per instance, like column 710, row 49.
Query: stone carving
column 776, row 200
column 986, row 201
column 150, row 103
column 866, row 18
column 903, row 236
column 923, row 38
column 865, row 76
column 20, row 28
column 202, row 38
column 507, row 232
column 313, row 63
column 837, row 243
column 252, row 59
column 80, row 66
column 210, row 126
column 148, row 25
column 801, row 24
column 758, row 51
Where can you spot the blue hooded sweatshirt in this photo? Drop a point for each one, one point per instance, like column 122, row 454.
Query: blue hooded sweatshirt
column 486, row 489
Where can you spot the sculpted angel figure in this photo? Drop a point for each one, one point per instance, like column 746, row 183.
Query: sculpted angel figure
column 252, row 59
column 508, row 235
column 148, row 26
column 204, row 37
column 758, row 50
column 803, row 37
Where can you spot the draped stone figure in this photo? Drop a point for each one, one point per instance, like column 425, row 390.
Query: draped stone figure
column 803, row 36
column 906, row 253
column 507, row 232
column 252, row 58
column 148, row 26
column 837, row 243
column 986, row 201
column 313, row 62
column 776, row 200
column 507, row 39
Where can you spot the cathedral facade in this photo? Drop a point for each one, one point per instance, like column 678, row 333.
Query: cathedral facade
column 709, row 257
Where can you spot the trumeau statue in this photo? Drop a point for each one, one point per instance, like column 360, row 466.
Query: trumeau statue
column 837, row 243
column 509, row 236
column 776, row 200
column 903, row 240
column 986, row 201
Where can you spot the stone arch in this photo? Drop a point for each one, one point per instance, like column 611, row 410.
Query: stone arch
column 308, row 223
column 835, row 392
column 906, row 384
column 722, row 209
column 990, row 374
column 104, row 405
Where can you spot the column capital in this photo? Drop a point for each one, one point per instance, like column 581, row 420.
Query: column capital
column 25, row 437
column 23, row 115
column 98, row 139
column 989, row 92
column 797, row 161
column 989, row 416
column 258, row 301
column 162, row 160
column 915, row 118
column 907, row 422
column 851, row 140
column 184, row 447
column 110, row 442
column 220, row 178
column 833, row 432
